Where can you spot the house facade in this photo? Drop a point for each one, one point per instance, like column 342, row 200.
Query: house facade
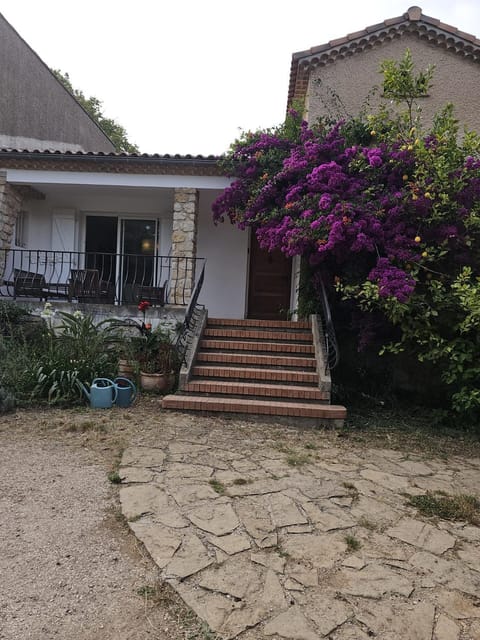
column 143, row 222
column 103, row 227
column 336, row 78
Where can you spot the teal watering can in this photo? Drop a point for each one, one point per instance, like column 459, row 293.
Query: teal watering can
column 103, row 393
column 126, row 392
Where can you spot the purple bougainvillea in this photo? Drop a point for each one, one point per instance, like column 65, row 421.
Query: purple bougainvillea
column 382, row 212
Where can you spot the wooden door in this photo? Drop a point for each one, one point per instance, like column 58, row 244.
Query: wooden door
column 269, row 283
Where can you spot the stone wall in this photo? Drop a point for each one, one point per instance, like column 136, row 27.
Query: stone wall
column 184, row 244
column 10, row 205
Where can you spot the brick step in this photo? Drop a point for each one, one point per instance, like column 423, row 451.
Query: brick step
column 256, row 360
column 262, row 407
column 258, row 347
column 242, row 373
column 223, row 387
column 282, row 324
column 258, row 334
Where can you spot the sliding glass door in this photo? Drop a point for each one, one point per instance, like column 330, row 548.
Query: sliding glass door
column 138, row 248
column 123, row 251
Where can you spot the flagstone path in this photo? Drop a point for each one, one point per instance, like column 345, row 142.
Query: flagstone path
column 301, row 539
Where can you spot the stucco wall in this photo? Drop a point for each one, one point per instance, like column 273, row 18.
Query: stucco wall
column 36, row 112
column 226, row 250
column 455, row 80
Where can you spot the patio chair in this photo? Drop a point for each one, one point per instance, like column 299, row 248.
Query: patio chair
column 155, row 295
column 29, row 283
column 86, row 286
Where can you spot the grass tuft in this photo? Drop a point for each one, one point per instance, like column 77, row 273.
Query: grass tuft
column 114, row 477
column 440, row 505
column 217, row 486
column 353, row 544
column 298, row 459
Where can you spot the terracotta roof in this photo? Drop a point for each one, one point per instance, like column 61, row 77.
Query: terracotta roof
column 413, row 21
column 110, row 162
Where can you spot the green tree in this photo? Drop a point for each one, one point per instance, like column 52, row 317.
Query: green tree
column 93, row 106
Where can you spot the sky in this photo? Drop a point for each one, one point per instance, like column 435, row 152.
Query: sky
column 187, row 76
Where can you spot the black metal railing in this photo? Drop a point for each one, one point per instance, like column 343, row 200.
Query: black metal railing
column 332, row 354
column 98, row 278
column 191, row 315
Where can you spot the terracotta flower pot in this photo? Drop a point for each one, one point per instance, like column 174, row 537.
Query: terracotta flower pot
column 158, row 382
column 126, row 369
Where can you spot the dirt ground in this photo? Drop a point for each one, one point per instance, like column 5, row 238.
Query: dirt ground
column 69, row 566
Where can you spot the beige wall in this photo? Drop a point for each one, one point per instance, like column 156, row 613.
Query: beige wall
column 455, row 80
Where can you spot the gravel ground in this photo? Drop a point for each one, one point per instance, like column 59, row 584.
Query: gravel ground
column 69, row 567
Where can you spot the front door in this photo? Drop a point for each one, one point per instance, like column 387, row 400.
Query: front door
column 269, row 283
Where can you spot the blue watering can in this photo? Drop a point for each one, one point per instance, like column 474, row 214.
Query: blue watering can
column 103, row 393
column 126, row 392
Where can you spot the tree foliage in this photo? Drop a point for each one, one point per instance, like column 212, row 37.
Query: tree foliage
column 386, row 213
column 93, row 106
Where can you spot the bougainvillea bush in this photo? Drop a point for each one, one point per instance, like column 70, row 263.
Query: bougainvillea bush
column 388, row 215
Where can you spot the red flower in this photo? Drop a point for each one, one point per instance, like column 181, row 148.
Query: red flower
column 143, row 305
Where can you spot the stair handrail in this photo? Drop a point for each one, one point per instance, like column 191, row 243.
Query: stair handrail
column 186, row 331
column 332, row 353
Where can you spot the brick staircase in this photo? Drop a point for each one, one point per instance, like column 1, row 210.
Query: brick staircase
column 263, row 367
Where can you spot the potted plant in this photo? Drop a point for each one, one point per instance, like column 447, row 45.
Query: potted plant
column 158, row 360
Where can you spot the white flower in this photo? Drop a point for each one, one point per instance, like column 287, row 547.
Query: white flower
column 48, row 310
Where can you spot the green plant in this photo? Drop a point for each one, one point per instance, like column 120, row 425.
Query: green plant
column 298, row 459
column 114, row 477
column 281, row 551
column 53, row 363
column 146, row 591
column 353, row 544
column 460, row 507
column 367, row 524
column 7, row 401
column 217, row 486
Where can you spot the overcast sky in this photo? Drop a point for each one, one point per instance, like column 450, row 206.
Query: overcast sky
column 186, row 76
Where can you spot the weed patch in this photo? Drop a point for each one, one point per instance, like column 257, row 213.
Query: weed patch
column 461, row 507
column 298, row 459
column 217, row 486
column 367, row 524
column 353, row 544
column 114, row 477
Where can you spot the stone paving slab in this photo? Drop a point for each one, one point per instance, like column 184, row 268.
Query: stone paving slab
column 266, row 537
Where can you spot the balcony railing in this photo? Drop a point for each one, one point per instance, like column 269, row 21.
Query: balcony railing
column 98, row 278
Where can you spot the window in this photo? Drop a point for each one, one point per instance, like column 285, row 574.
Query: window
column 21, row 229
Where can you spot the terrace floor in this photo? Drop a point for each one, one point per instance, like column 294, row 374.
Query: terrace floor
column 280, row 533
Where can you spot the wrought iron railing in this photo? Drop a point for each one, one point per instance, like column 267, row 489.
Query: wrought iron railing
column 332, row 354
column 98, row 278
column 191, row 315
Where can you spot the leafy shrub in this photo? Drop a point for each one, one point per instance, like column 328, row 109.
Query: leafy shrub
column 76, row 351
column 53, row 367
column 7, row 401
